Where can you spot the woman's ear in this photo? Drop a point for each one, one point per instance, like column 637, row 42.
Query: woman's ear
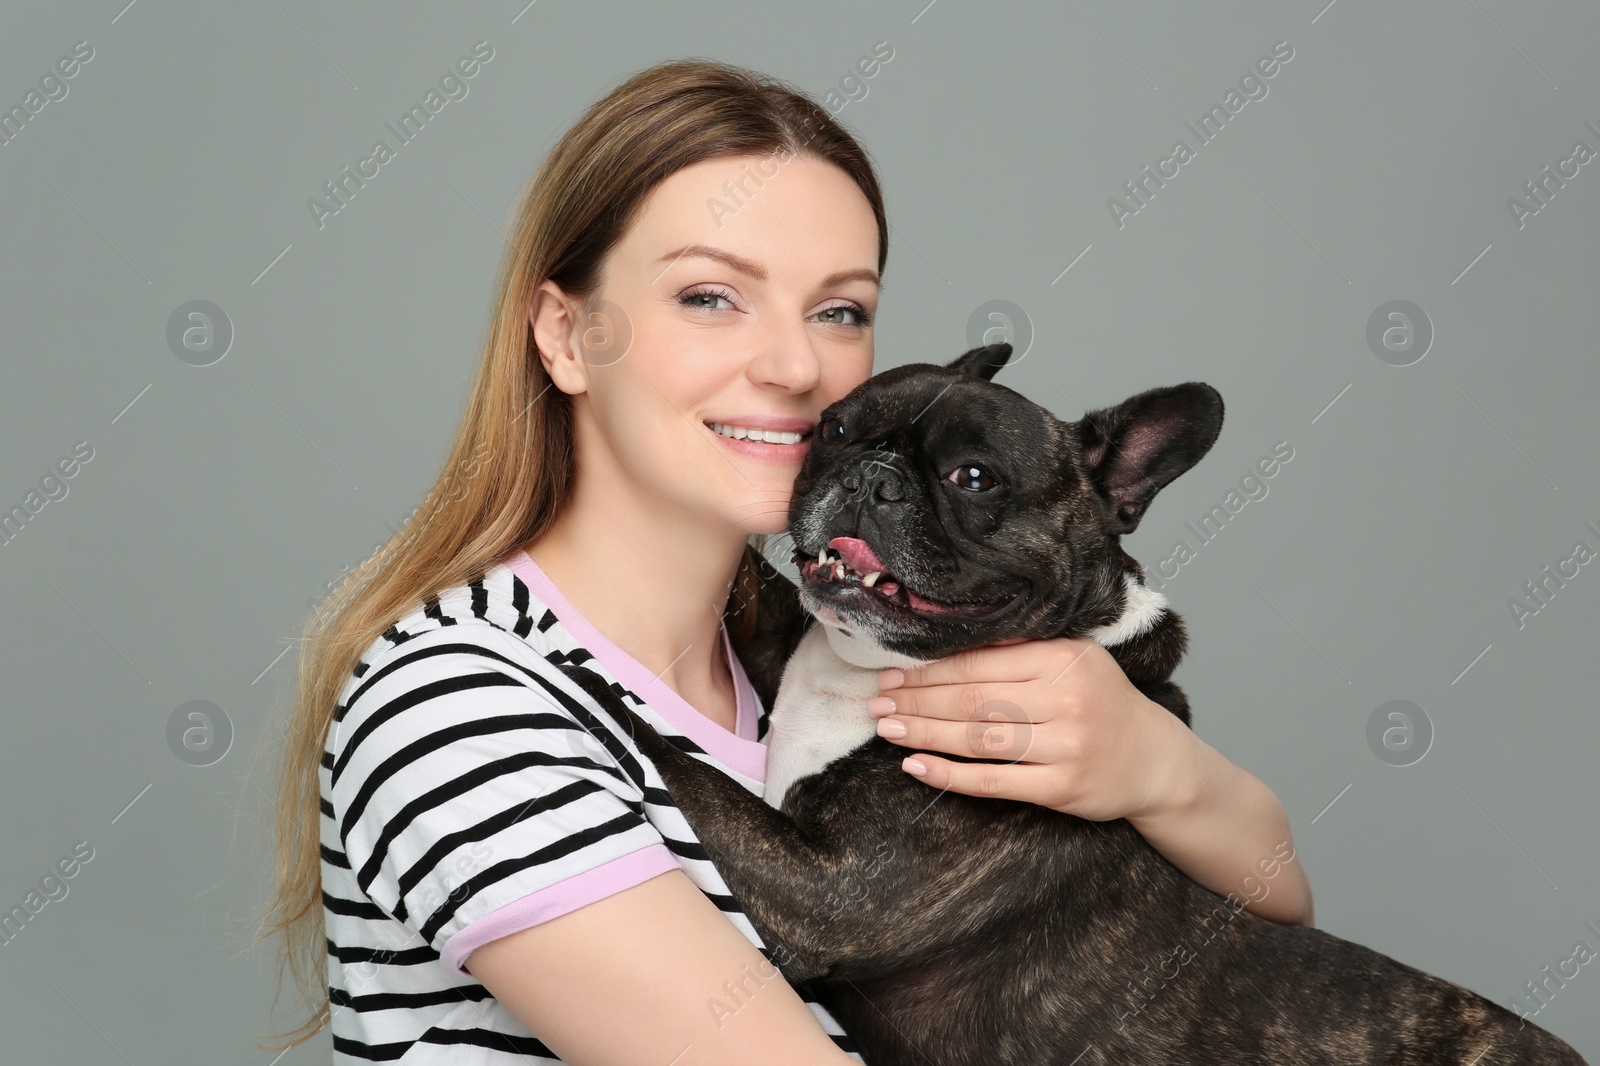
column 556, row 320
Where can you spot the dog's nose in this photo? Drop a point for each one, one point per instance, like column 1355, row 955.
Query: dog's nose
column 878, row 481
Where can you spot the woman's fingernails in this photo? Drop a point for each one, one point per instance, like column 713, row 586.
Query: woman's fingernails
column 893, row 677
column 914, row 766
column 891, row 729
column 880, row 705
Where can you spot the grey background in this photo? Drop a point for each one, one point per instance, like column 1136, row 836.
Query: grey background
column 221, row 499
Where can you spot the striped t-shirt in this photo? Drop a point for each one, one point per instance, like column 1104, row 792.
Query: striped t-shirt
column 465, row 796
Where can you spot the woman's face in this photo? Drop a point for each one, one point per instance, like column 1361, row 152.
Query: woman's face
column 741, row 297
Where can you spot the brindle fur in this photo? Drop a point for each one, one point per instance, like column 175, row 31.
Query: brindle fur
column 780, row 623
column 944, row 929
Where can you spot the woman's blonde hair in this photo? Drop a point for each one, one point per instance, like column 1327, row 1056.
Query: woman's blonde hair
column 511, row 466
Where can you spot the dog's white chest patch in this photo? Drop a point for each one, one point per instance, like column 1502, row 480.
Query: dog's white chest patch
column 820, row 712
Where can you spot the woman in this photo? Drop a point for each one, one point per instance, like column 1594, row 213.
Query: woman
column 466, row 851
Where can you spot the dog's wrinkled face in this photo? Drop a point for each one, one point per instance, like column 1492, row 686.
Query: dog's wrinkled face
column 937, row 510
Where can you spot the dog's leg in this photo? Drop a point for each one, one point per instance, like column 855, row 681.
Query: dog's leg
column 810, row 890
column 779, row 626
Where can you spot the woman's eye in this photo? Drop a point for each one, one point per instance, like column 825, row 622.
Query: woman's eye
column 975, row 478
column 705, row 300
column 861, row 316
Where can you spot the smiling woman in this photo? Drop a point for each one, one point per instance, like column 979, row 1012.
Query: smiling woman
column 647, row 392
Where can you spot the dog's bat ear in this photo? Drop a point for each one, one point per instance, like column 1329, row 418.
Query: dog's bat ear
column 983, row 361
column 1134, row 450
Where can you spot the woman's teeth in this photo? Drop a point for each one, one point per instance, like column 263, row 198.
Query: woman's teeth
column 769, row 436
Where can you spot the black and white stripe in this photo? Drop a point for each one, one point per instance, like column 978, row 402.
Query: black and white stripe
column 464, row 771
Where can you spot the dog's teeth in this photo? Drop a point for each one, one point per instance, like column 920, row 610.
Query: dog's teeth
column 870, row 578
column 822, row 556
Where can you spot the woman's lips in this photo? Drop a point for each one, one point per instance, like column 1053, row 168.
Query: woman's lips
column 761, row 450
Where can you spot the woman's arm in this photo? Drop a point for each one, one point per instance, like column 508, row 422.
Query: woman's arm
column 1082, row 739
column 654, row 973
column 1227, row 830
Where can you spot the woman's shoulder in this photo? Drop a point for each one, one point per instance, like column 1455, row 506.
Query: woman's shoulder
column 493, row 647
column 492, row 611
column 460, row 712
column 494, row 618
column 491, row 630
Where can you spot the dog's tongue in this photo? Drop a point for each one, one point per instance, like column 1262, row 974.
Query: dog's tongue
column 856, row 554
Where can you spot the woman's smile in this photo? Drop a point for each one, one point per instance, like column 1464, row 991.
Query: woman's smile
column 771, row 439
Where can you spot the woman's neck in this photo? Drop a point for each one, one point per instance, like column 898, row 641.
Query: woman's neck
column 658, row 596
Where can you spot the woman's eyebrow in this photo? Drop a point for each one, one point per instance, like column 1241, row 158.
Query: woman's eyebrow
column 755, row 270
column 860, row 274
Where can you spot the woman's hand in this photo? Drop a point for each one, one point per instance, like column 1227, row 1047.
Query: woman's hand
column 1075, row 735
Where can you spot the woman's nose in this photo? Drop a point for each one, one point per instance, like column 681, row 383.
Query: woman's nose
column 785, row 357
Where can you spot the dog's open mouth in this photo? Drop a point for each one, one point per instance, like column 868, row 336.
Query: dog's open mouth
column 853, row 564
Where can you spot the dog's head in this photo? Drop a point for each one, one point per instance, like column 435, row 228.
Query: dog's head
column 984, row 516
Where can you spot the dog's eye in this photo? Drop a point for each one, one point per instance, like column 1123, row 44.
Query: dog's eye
column 830, row 430
column 975, row 478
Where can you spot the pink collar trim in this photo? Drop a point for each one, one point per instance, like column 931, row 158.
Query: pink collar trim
column 740, row 750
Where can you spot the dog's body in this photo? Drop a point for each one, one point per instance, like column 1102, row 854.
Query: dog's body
column 941, row 928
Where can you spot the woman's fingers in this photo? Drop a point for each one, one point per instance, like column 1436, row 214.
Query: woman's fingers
column 990, row 700
column 1026, row 782
column 1004, row 733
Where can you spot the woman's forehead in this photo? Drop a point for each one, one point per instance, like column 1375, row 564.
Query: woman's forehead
column 803, row 214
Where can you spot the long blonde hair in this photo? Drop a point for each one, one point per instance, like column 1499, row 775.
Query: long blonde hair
column 511, row 466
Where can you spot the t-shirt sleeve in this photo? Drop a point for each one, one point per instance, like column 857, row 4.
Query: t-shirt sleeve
column 478, row 793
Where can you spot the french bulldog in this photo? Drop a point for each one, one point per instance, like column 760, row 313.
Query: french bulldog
column 939, row 511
